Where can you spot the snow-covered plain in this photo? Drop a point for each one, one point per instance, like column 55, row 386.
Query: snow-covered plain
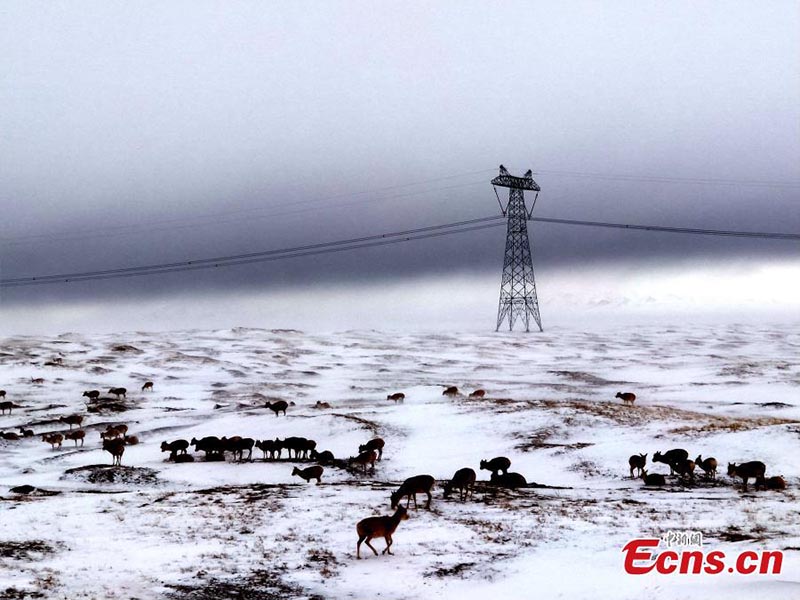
column 250, row 530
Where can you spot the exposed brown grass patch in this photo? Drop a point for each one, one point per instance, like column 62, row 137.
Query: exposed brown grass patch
column 623, row 415
column 587, row 378
column 730, row 425
column 372, row 426
column 697, row 423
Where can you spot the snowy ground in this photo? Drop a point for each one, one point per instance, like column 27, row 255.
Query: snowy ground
column 250, row 530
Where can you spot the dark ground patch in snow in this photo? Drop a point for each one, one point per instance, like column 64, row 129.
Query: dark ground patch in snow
column 17, row 594
column 29, row 490
column 110, row 474
column 107, row 405
column 457, row 570
column 27, row 550
column 126, row 348
column 258, row 585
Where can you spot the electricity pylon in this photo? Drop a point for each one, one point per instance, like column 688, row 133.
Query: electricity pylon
column 517, row 288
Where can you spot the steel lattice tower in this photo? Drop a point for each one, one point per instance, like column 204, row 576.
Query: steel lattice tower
column 517, row 288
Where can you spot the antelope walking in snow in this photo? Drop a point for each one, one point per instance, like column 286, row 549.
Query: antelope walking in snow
column 384, row 527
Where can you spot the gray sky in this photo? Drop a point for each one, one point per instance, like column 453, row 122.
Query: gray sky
column 133, row 133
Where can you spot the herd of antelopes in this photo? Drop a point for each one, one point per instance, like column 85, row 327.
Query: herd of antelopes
column 681, row 466
column 115, row 438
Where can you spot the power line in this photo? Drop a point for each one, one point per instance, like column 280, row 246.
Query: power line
column 213, row 219
column 688, row 230
column 668, row 179
column 267, row 258
column 371, row 241
column 263, row 256
column 94, row 236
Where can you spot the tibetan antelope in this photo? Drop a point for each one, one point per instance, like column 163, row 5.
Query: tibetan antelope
column 654, row 479
column 755, row 469
column 309, row 473
column 116, row 448
column 463, row 481
column 384, row 527
column 671, row 457
column 499, row 463
column 376, row 444
column 628, row 398
column 637, row 462
column 419, row 484
column 278, row 407
column 709, row 465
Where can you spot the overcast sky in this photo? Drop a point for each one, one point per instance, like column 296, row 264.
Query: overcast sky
column 137, row 132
